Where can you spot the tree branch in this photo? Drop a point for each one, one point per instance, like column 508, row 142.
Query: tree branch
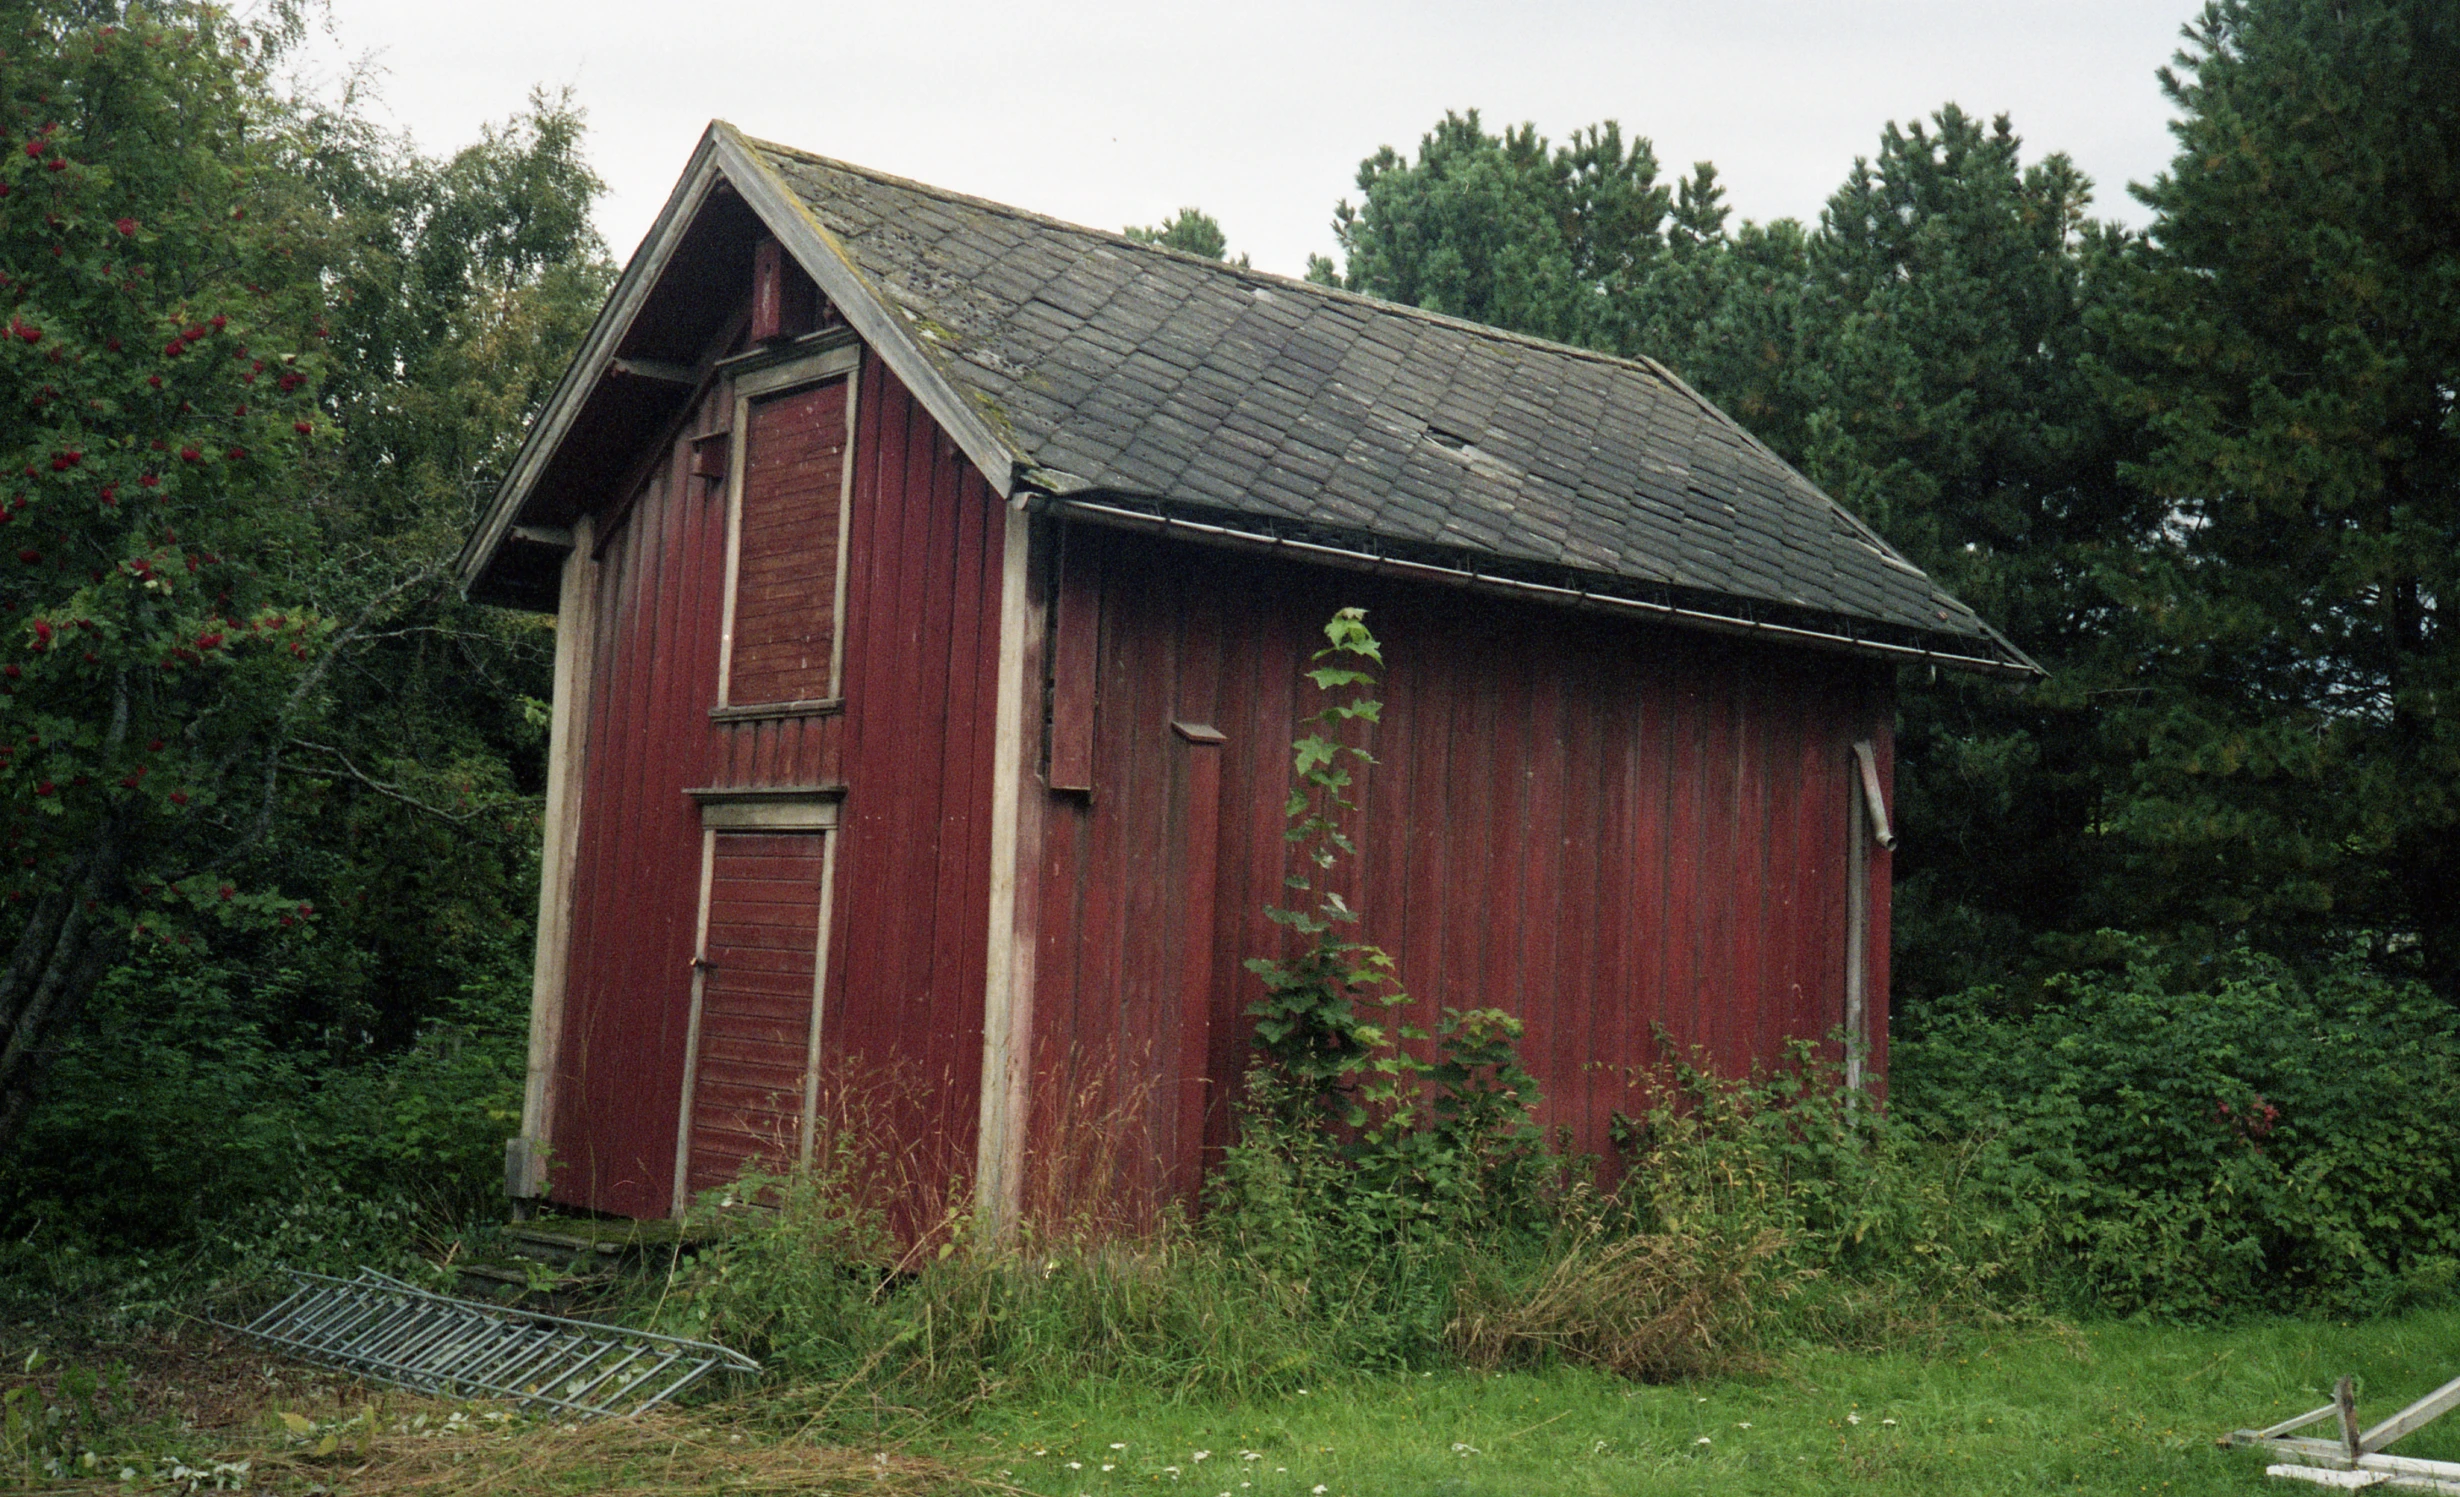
column 396, row 792
column 308, row 681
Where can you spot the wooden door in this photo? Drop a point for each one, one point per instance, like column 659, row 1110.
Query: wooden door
column 750, row 1078
column 781, row 639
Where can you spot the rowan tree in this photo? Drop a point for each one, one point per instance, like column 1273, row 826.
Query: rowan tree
column 255, row 1074
column 156, row 411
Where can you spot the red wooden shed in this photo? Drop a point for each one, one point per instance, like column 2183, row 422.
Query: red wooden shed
column 932, row 582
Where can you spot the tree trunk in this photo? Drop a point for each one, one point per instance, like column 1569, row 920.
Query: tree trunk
column 2429, row 864
column 2426, row 853
column 61, row 955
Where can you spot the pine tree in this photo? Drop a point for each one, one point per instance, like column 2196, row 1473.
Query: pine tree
column 1946, row 388
column 2295, row 353
column 1508, row 229
column 1192, row 230
column 1924, row 353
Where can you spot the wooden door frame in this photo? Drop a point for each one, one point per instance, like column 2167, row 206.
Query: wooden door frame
column 842, row 362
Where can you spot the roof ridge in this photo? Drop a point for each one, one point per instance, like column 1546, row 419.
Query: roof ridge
column 1487, row 330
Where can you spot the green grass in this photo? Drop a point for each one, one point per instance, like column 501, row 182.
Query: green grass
column 2122, row 1408
column 2114, row 1408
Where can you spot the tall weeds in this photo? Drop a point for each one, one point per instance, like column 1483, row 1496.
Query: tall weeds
column 1095, row 1281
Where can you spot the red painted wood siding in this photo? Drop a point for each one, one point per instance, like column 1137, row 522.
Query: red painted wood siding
column 911, row 747
column 752, row 1059
column 786, row 567
column 1603, row 827
column 902, row 1044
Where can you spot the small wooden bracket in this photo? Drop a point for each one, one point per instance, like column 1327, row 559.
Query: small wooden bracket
column 659, row 370
column 1204, row 734
column 1075, row 644
column 785, row 304
column 709, row 454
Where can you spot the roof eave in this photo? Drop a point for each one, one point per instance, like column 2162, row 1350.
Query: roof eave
column 563, row 404
column 1068, row 497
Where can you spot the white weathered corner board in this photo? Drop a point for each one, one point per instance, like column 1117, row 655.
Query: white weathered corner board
column 2356, row 1461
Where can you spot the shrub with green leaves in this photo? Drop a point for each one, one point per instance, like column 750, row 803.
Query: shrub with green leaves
column 190, row 1139
column 2220, row 1136
column 1873, row 1227
column 269, row 802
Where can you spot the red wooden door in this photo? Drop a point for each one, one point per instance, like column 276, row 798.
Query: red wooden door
column 750, row 1083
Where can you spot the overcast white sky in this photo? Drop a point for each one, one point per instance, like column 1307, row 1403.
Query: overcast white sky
column 1117, row 111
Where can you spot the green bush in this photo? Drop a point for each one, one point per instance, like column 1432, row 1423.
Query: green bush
column 187, row 1137
column 2216, row 1138
column 2247, row 1142
column 1883, row 1228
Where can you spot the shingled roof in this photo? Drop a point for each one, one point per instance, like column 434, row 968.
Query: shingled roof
column 1143, row 381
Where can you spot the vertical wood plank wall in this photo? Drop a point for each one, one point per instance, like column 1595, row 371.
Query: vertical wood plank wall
column 903, row 1030
column 911, row 748
column 1603, row 827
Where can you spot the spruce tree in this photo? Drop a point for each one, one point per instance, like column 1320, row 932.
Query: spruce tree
column 2295, row 353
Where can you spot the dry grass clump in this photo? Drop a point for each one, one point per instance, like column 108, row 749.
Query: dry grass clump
column 874, row 1193
column 1654, row 1306
column 196, row 1411
column 660, row 1453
